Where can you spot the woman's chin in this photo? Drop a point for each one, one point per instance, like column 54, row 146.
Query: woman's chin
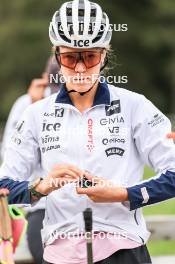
column 81, row 87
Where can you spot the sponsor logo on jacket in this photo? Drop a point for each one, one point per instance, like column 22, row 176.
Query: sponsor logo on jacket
column 107, row 141
column 90, row 144
column 111, row 121
column 16, row 140
column 59, row 112
column 50, row 126
column 157, row 119
column 114, row 151
column 19, row 127
column 46, row 149
column 114, row 108
column 47, row 139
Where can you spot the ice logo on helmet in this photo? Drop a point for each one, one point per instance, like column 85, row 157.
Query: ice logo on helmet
column 81, row 43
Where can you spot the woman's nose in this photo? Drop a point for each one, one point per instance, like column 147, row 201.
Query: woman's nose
column 80, row 67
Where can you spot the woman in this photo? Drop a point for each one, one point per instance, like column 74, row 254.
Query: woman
column 95, row 130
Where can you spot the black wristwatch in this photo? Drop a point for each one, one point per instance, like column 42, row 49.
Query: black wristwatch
column 32, row 186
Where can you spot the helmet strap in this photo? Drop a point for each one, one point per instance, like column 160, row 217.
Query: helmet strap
column 83, row 93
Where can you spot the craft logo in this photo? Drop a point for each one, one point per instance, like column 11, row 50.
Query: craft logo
column 114, row 108
column 90, row 144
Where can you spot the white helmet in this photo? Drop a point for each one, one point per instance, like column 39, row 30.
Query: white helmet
column 80, row 24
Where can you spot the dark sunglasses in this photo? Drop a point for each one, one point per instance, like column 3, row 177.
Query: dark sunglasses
column 70, row 59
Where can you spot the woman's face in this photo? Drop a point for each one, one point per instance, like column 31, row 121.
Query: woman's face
column 79, row 76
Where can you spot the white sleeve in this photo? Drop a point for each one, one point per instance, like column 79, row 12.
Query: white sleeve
column 150, row 127
column 22, row 151
column 14, row 116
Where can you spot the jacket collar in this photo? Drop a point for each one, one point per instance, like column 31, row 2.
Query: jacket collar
column 102, row 95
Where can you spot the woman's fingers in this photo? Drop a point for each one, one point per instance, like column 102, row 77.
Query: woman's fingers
column 88, row 191
column 59, row 173
column 171, row 135
column 63, row 181
column 76, row 170
column 73, row 168
column 94, row 179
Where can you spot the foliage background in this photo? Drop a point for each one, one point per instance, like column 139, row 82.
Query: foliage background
column 145, row 53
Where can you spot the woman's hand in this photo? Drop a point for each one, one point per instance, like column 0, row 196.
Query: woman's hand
column 103, row 191
column 60, row 175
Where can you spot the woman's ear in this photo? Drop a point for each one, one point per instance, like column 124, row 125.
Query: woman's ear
column 103, row 56
column 104, row 59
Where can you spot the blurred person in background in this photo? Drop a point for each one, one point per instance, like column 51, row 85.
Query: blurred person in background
column 38, row 89
column 92, row 129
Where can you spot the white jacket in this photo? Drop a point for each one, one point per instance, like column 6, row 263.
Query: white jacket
column 17, row 110
column 114, row 139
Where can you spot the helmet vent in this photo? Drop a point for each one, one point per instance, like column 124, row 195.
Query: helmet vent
column 93, row 12
column 69, row 11
column 81, row 12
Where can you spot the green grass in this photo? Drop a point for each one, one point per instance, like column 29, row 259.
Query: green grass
column 163, row 208
column 148, row 173
column 160, row 247
column 167, row 207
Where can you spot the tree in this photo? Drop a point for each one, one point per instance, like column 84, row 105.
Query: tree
column 145, row 52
